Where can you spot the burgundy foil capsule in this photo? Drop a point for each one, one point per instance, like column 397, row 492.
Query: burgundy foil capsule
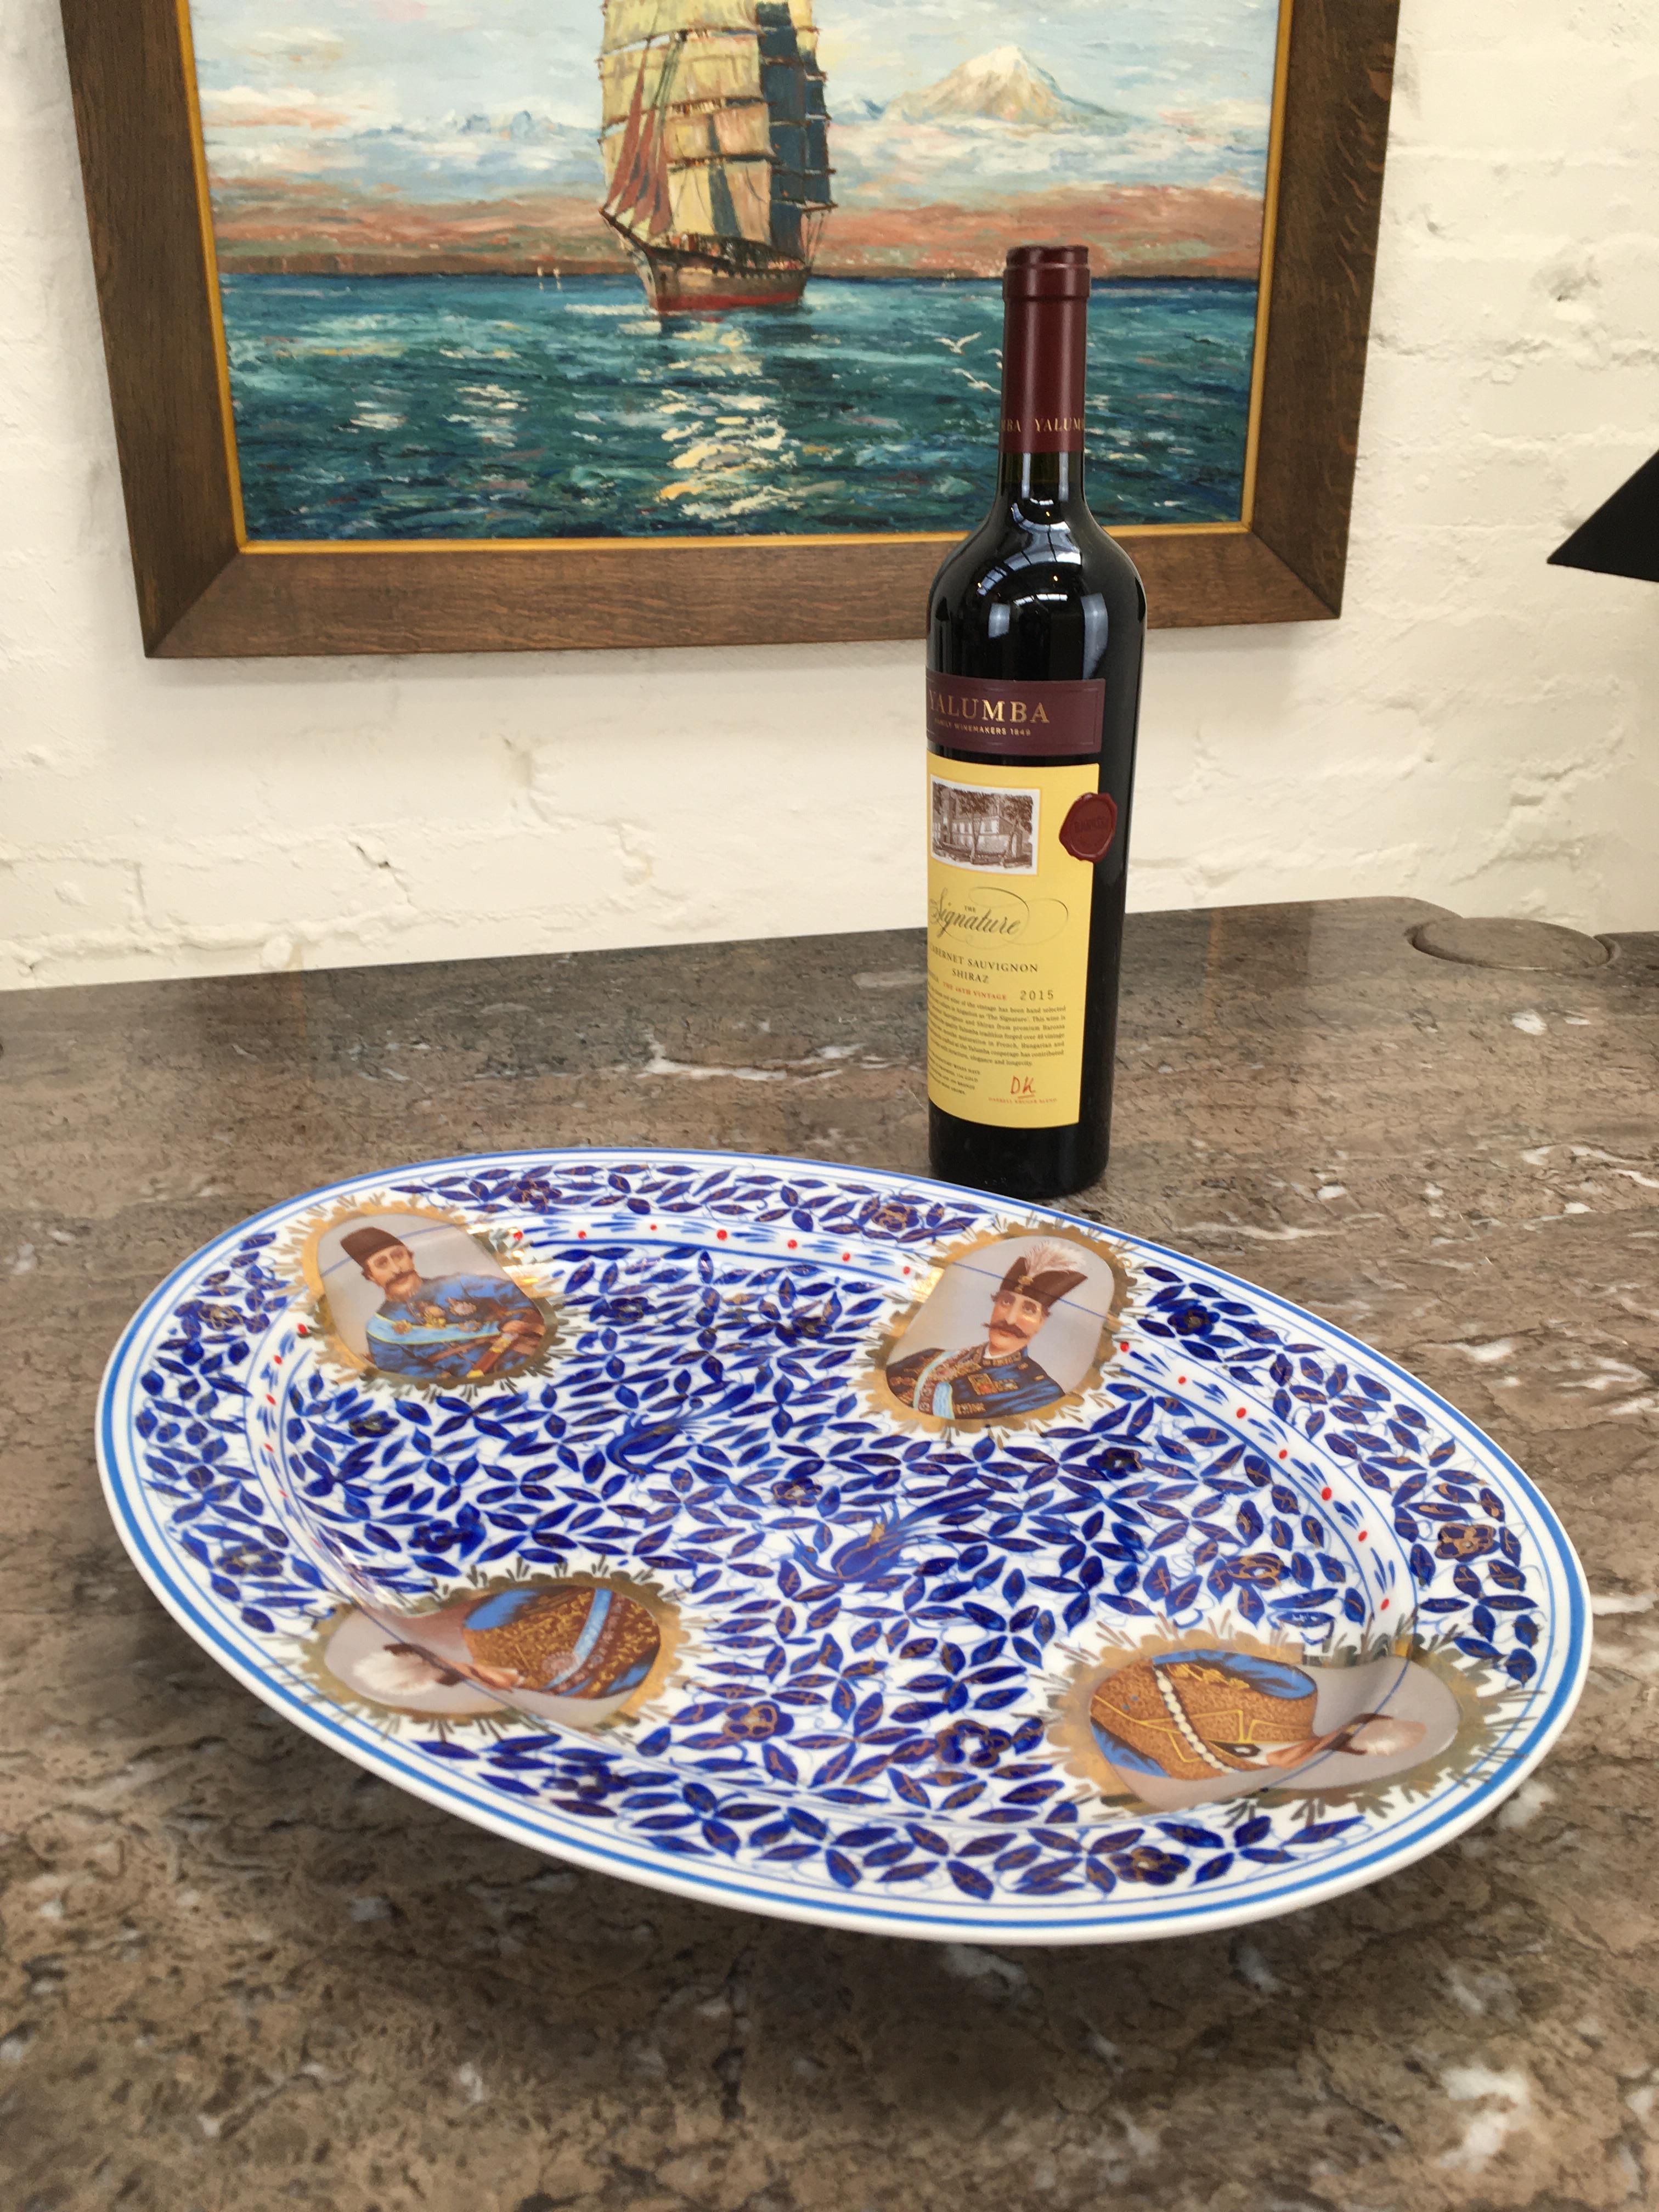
column 1046, row 289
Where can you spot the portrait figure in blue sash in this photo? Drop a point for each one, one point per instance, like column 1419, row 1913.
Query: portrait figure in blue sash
column 1003, row 1372
column 459, row 1324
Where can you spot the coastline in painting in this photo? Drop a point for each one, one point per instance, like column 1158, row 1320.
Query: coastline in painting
column 432, row 266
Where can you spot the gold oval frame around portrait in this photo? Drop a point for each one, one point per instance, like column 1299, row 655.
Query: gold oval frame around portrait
column 296, row 1254
column 891, row 1331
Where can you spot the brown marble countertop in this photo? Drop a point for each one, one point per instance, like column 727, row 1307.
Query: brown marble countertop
column 239, row 1972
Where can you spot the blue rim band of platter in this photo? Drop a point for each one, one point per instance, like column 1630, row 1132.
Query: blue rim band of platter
column 546, row 1830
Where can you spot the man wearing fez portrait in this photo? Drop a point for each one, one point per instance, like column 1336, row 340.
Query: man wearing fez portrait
column 451, row 1328
column 988, row 1380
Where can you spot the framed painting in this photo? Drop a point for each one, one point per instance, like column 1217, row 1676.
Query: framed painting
column 447, row 325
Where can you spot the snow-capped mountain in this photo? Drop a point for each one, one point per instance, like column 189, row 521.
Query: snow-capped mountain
column 1003, row 86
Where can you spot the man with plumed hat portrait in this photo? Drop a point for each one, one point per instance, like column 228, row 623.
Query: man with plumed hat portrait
column 457, row 1327
column 998, row 1377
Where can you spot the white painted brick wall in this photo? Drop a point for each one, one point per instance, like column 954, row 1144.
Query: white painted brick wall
column 1479, row 729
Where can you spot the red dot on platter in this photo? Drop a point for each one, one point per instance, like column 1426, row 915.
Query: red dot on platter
column 1383, row 1607
column 1362, row 1535
column 1284, row 1454
column 1123, row 1347
column 581, row 1232
column 792, row 1243
column 1239, row 1415
column 1323, row 1493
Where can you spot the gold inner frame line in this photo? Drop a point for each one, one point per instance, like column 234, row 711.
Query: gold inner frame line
column 210, row 260
column 288, row 545
column 707, row 541
column 1264, row 275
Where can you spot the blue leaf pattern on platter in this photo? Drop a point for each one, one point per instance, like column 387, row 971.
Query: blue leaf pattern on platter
column 876, row 1630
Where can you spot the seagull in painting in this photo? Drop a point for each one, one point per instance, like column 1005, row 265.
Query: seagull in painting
column 960, row 345
column 978, row 382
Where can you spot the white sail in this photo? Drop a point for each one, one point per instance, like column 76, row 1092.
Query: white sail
column 713, row 124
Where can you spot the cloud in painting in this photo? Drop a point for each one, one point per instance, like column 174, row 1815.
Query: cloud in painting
column 1141, row 55
column 280, row 107
column 1001, row 123
column 439, row 98
column 1226, row 122
column 305, row 47
column 889, row 155
column 475, row 157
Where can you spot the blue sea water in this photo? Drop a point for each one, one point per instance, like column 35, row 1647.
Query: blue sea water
column 514, row 407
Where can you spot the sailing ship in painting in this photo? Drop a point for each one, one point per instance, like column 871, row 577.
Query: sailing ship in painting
column 715, row 142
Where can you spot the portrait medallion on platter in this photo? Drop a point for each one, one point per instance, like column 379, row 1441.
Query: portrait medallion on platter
column 411, row 1294
column 1172, row 1721
column 583, row 1651
column 1007, row 1329
column 840, row 1545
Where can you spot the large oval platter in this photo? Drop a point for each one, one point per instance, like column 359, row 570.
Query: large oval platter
column 840, row 1546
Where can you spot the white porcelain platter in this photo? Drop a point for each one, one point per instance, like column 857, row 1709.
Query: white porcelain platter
column 840, row 1545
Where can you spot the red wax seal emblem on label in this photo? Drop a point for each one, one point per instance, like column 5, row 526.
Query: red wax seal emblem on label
column 1089, row 826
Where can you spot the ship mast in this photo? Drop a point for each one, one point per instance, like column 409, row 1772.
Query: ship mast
column 715, row 131
column 793, row 84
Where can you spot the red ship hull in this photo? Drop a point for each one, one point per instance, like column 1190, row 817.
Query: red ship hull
column 688, row 284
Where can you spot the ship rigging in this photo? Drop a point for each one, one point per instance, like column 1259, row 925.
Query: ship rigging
column 715, row 141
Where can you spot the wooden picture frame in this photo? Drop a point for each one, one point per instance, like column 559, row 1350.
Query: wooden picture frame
column 205, row 589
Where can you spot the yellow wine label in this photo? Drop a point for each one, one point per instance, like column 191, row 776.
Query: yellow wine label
column 1008, row 906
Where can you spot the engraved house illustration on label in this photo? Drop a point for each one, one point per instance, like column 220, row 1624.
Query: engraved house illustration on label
column 974, row 828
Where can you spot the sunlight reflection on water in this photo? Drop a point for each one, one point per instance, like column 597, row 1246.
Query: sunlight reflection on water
column 481, row 406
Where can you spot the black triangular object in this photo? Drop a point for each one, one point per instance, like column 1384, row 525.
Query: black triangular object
column 1621, row 538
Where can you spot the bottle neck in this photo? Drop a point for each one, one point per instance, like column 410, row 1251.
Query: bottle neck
column 1041, row 480
column 1044, row 350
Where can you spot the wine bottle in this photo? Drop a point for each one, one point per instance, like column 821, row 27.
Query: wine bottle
column 1035, row 628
